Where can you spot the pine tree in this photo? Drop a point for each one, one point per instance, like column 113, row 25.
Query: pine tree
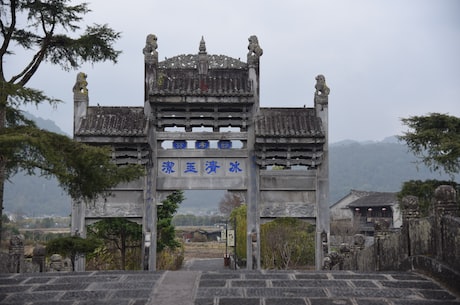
column 435, row 140
column 166, row 233
column 44, row 32
column 120, row 232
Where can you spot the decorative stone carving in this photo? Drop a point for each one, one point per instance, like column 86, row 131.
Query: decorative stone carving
column 203, row 58
column 56, row 263
column 16, row 251
column 150, row 49
column 445, row 198
column 322, row 92
column 321, row 87
column 81, row 84
column 410, row 207
column 151, row 62
column 255, row 51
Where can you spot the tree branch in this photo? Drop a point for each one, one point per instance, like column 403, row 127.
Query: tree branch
column 7, row 34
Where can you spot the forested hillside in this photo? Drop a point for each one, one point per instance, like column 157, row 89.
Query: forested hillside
column 373, row 166
column 370, row 166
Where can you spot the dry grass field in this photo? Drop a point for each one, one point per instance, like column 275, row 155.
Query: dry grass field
column 204, row 250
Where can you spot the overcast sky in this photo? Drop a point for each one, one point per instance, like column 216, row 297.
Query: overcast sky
column 383, row 59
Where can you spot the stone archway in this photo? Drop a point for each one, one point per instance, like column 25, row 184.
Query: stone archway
column 188, row 92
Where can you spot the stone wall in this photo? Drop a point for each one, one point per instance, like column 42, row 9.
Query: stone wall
column 15, row 262
column 430, row 244
column 451, row 241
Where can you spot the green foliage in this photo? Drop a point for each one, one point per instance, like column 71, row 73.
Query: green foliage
column 41, row 28
column 238, row 217
column 119, row 234
column 287, row 243
column 71, row 246
column 46, row 29
column 424, row 191
column 83, row 171
column 166, row 233
column 435, row 140
column 171, row 259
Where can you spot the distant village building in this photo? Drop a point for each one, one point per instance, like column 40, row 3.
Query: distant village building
column 362, row 210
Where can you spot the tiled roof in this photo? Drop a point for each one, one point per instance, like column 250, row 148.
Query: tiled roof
column 375, row 199
column 113, row 121
column 190, row 61
column 288, row 122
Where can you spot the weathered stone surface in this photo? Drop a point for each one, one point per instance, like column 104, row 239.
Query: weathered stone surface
column 262, row 288
column 212, row 283
column 329, row 301
column 311, row 283
column 248, row 283
column 205, row 292
column 285, row 301
column 239, row 301
column 285, row 292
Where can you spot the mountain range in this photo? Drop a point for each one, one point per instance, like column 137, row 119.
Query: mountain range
column 380, row 166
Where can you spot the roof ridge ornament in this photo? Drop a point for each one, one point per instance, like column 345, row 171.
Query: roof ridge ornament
column 255, row 51
column 202, row 46
column 322, row 92
column 150, row 49
column 203, row 60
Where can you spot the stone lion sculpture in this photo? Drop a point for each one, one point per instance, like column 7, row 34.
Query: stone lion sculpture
column 81, row 84
column 151, row 46
column 321, row 87
column 255, row 51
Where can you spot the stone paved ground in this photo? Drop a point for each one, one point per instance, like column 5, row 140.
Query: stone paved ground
column 222, row 288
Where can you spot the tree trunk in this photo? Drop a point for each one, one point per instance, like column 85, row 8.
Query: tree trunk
column 3, row 99
column 123, row 251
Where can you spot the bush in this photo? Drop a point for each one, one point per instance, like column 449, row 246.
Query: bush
column 287, row 243
column 238, row 217
column 169, row 259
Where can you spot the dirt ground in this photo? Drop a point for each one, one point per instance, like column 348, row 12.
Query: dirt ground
column 204, row 250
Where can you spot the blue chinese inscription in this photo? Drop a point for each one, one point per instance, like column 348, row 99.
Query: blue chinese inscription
column 202, row 144
column 194, row 167
column 211, row 167
column 235, row 167
column 179, row 144
column 224, row 144
column 190, row 167
column 167, row 167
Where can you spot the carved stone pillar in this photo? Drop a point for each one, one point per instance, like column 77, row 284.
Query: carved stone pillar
column 410, row 208
column 38, row 257
column 410, row 213
column 16, row 251
column 322, row 178
column 445, row 203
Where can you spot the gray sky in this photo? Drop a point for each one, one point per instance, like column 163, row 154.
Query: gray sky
column 383, row 59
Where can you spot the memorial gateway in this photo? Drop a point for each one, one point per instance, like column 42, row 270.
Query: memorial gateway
column 202, row 128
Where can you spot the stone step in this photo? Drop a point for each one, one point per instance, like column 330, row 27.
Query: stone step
column 226, row 287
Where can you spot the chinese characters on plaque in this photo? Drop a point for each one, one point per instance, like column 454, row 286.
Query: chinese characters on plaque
column 201, row 167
